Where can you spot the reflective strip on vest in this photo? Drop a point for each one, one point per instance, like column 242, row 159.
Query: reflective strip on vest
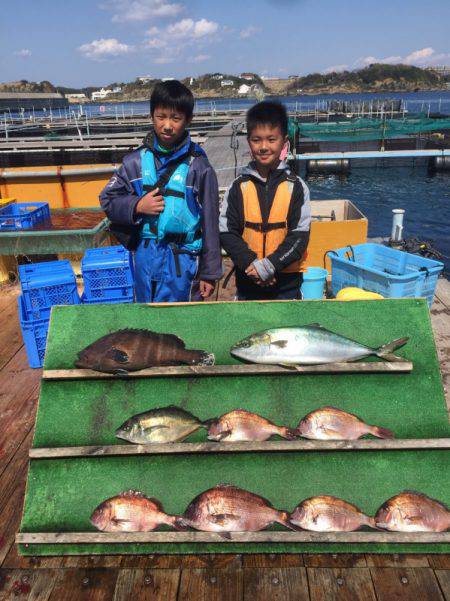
column 264, row 238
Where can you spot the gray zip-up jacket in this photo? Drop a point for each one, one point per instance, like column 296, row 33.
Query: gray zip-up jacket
column 231, row 223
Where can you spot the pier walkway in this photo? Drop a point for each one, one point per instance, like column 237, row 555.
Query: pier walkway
column 225, row 159
column 299, row 577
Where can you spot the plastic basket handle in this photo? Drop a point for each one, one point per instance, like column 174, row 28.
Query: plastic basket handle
column 325, row 256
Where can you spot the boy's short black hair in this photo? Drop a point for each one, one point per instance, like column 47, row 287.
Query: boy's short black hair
column 173, row 95
column 267, row 113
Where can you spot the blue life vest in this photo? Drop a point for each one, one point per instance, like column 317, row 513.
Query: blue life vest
column 180, row 220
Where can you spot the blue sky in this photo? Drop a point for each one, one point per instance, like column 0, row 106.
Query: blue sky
column 96, row 42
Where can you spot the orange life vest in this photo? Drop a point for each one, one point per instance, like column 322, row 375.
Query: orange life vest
column 264, row 239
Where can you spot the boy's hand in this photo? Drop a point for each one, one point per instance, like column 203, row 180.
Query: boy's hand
column 151, row 204
column 269, row 283
column 206, row 288
column 252, row 273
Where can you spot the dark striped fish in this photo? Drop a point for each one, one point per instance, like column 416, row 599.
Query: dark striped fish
column 131, row 350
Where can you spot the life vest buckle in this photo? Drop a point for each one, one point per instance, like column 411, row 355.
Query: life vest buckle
column 265, row 227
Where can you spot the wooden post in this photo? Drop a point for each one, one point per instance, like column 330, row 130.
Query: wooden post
column 270, row 446
column 399, row 366
column 264, row 536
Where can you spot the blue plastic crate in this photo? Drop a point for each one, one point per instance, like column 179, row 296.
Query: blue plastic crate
column 105, row 301
column 108, row 274
column 47, row 284
column 377, row 268
column 34, row 333
column 23, row 215
column 29, row 271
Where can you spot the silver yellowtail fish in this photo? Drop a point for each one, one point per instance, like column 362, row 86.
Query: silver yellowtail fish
column 165, row 424
column 307, row 345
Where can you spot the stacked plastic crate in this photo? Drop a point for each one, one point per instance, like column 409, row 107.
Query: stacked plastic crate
column 23, row 215
column 43, row 285
column 108, row 275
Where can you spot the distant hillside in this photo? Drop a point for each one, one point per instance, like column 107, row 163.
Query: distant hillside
column 374, row 78
column 44, row 87
column 210, row 84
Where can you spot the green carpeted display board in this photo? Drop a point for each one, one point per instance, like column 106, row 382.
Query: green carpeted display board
column 62, row 493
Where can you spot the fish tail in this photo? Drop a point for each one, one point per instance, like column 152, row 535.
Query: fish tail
column 386, row 351
column 206, row 359
column 283, row 519
column 286, row 433
column 380, row 432
column 179, row 523
column 171, row 520
column 369, row 521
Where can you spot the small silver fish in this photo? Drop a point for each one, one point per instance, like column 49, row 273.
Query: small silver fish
column 307, row 345
column 330, row 423
column 165, row 424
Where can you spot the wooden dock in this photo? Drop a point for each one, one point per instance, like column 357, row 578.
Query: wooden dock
column 225, row 159
column 299, row 577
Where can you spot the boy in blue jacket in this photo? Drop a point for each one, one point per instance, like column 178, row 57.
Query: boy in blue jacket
column 163, row 203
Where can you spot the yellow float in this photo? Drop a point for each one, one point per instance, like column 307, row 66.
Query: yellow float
column 353, row 293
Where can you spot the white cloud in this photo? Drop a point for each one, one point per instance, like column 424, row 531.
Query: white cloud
column 175, row 39
column 154, row 44
column 188, row 28
column 24, row 53
column 152, row 31
column 249, row 31
column 426, row 57
column 335, row 69
column 163, row 60
column 421, row 58
column 104, row 48
column 200, row 58
column 142, row 10
column 392, row 60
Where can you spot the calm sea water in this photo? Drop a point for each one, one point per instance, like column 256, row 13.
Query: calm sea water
column 412, row 102
column 378, row 190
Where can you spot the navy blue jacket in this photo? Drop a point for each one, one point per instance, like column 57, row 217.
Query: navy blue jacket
column 124, row 190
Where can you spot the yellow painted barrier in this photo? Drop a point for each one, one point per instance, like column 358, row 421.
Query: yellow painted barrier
column 349, row 226
column 68, row 186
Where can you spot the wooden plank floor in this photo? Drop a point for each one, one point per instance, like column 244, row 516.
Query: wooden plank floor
column 203, row 577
